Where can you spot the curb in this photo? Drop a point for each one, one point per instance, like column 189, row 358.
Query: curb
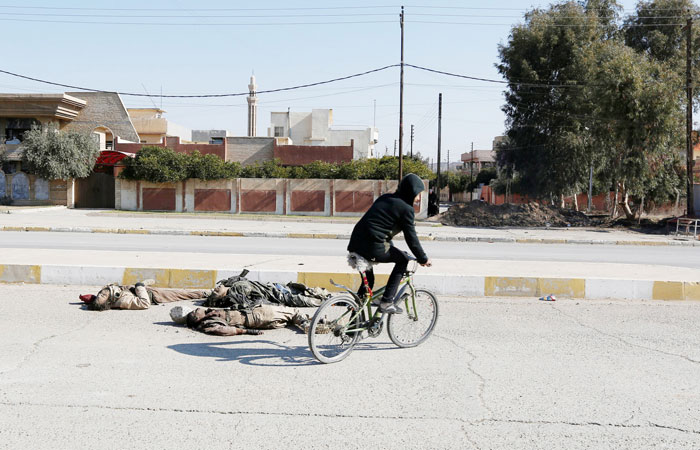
column 422, row 237
column 458, row 285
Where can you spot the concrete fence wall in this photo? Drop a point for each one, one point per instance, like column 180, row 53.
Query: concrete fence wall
column 275, row 196
column 25, row 189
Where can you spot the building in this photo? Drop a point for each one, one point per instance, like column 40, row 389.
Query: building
column 153, row 128
column 101, row 113
column 252, row 108
column 315, row 129
column 475, row 160
column 210, row 136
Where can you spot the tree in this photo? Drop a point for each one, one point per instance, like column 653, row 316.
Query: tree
column 656, row 30
column 584, row 94
column 55, row 155
column 547, row 62
column 639, row 123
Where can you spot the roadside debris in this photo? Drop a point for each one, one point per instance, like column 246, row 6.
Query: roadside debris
column 536, row 215
column 479, row 214
column 549, row 298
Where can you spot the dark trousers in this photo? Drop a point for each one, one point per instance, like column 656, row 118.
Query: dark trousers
column 401, row 263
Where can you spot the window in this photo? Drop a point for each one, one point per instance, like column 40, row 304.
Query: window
column 216, row 140
column 15, row 129
column 279, row 131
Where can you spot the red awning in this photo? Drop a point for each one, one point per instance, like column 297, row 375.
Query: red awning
column 111, row 157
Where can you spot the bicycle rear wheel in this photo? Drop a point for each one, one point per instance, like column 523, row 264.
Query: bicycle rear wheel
column 416, row 323
column 329, row 339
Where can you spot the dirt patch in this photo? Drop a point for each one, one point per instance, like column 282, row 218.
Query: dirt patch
column 479, row 214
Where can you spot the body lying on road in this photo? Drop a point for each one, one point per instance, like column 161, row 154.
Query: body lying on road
column 226, row 322
column 235, row 292
column 139, row 296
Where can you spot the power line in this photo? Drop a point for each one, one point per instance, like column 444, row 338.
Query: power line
column 307, row 85
column 346, row 22
column 548, row 24
column 196, row 23
column 345, row 14
column 308, row 8
column 239, row 94
column 157, row 16
column 198, row 9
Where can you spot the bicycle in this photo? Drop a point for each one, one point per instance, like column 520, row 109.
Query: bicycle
column 340, row 321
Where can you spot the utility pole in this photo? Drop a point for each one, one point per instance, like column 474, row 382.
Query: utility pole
column 411, row 141
column 689, row 118
column 437, row 184
column 471, row 164
column 448, row 159
column 401, row 106
column 394, row 147
column 374, row 121
column 590, row 189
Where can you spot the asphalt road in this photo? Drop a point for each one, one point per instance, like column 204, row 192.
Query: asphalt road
column 663, row 255
column 496, row 374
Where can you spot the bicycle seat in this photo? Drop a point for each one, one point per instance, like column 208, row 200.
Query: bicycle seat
column 359, row 263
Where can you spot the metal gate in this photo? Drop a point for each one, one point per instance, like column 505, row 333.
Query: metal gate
column 95, row 191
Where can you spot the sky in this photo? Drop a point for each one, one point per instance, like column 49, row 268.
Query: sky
column 212, row 47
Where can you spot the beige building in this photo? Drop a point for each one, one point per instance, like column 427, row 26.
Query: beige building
column 315, row 128
column 476, row 160
column 152, row 127
column 100, row 113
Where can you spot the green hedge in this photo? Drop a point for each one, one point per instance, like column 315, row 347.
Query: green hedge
column 163, row 165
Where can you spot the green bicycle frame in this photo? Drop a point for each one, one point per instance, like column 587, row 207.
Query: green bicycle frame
column 376, row 294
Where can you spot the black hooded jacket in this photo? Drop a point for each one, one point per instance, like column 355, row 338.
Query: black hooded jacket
column 389, row 215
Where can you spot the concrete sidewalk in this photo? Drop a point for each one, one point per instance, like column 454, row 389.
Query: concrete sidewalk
column 109, row 221
column 450, row 277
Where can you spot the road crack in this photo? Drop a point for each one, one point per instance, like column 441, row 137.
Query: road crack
column 470, row 368
column 469, row 439
column 593, row 424
column 36, row 344
column 464, row 422
column 623, row 340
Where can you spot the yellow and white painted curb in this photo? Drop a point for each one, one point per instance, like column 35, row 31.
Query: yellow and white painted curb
column 471, row 286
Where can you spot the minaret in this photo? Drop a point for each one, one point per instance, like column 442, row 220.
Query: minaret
column 252, row 107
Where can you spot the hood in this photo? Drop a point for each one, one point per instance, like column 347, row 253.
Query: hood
column 410, row 186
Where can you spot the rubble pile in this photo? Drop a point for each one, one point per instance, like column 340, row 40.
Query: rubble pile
column 479, row 214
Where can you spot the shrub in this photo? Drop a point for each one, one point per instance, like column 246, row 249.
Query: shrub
column 211, row 167
column 266, row 169
column 53, row 155
column 157, row 165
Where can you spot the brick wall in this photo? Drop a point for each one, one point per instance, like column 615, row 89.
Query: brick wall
column 174, row 144
column 258, row 196
column 298, row 155
column 249, row 150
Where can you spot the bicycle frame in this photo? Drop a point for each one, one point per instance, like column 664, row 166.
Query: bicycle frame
column 406, row 283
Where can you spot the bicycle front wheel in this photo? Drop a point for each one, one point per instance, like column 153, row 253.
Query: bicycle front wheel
column 417, row 322
column 332, row 336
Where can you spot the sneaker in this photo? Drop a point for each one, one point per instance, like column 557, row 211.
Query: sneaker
column 389, row 308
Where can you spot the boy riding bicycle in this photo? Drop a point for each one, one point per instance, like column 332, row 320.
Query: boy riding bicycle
column 371, row 238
